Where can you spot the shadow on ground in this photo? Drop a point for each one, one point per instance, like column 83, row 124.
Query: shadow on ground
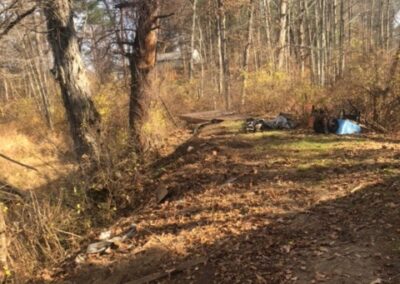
column 354, row 239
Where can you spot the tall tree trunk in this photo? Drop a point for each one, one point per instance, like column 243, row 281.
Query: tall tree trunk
column 282, row 34
column 341, row 40
column 38, row 80
column 246, row 53
column 41, row 68
column 203, row 58
column 141, row 62
column 371, row 25
column 388, row 25
column 302, row 39
column 211, row 56
column 223, row 58
column 310, row 41
column 267, row 26
column 193, row 38
column 69, row 71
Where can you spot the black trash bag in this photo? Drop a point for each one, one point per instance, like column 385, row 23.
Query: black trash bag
column 325, row 125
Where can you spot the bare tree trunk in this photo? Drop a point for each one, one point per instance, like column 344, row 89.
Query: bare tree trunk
column 311, row 40
column 211, row 55
column 69, row 71
column 41, row 74
column 38, row 79
column 220, row 58
column 371, row 24
column 246, row 52
column 192, row 40
column 388, row 25
column 223, row 58
column 141, row 62
column 323, row 43
column 282, row 33
column 203, row 54
column 302, row 39
column 341, row 40
column 267, row 25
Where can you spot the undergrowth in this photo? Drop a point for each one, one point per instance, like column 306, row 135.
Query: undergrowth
column 67, row 202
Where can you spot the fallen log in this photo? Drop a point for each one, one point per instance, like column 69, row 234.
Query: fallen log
column 206, row 116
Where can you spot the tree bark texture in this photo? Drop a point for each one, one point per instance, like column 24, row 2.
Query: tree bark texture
column 70, row 73
column 141, row 62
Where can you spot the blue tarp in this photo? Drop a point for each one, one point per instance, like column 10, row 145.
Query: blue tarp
column 347, row 126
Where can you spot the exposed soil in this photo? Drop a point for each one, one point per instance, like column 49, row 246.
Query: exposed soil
column 277, row 207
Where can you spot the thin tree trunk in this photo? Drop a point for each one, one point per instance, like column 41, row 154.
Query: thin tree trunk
column 302, row 39
column 203, row 54
column 70, row 73
column 313, row 66
column 246, row 52
column 192, row 40
column 388, row 25
column 38, row 79
column 267, row 26
column 341, row 40
column 223, row 58
column 212, row 57
column 323, row 50
column 41, row 74
column 282, row 33
column 371, row 26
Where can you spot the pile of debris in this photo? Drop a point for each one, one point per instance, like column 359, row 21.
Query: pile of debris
column 343, row 124
column 282, row 121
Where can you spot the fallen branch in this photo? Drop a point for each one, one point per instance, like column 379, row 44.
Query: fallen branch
column 9, row 193
column 18, row 163
column 376, row 126
column 159, row 275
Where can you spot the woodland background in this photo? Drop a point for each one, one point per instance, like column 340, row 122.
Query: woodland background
column 254, row 56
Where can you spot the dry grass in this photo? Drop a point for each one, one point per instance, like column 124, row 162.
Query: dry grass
column 39, row 235
column 47, row 153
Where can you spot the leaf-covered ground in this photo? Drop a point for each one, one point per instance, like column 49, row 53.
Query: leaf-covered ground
column 273, row 207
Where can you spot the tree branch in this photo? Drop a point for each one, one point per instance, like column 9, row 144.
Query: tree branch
column 16, row 21
column 18, row 163
column 165, row 16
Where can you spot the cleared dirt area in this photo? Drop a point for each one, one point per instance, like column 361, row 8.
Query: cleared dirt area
column 273, row 207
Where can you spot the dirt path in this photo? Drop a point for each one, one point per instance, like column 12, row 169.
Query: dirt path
column 278, row 207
